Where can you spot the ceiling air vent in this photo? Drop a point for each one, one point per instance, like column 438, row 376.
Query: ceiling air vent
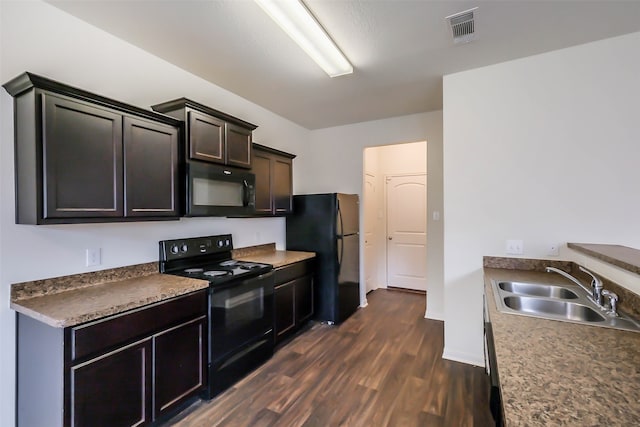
column 463, row 26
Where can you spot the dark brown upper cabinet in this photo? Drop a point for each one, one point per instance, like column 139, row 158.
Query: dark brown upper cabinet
column 274, row 181
column 80, row 157
column 82, row 160
column 151, row 168
column 212, row 136
column 206, row 137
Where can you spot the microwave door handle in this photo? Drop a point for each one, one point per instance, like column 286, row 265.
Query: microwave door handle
column 245, row 193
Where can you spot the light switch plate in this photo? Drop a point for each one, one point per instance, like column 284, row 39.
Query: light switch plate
column 93, row 257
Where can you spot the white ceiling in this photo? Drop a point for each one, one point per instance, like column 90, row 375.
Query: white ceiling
column 399, row 49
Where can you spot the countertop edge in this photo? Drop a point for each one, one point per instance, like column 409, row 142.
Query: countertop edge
column 82, row 316
column 56, row 323
column 277, row 258
column 621, row 256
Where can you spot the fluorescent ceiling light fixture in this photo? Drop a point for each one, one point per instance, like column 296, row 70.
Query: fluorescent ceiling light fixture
column 296, row 20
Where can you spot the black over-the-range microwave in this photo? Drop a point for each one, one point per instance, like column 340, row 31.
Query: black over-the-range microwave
column 217, row 190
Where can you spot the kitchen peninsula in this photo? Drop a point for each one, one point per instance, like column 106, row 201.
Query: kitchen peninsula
column 558, row 373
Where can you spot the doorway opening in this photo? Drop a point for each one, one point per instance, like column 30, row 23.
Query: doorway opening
column 395, row 216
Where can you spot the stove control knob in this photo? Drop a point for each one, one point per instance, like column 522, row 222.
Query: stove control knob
column 183, row 248
column 220, row 243
column 227, row 242
column 174, row 249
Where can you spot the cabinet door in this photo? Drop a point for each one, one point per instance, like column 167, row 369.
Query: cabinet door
column 282, row 185
column 206, row 137
column 304, row 299
column 151, row 168
column 180, row 362
column 82, row 160
column 238, row 148
column 284, row 309
column 261, row 168
column 113, row 390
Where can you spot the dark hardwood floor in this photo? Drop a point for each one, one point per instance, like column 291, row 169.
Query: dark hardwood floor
column 382, row 367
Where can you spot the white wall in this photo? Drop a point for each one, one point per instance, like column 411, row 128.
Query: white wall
column 543, row 149
column 333, row 162
column 37, row 37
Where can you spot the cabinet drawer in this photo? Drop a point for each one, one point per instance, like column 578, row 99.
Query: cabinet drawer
column 290, row 272
column 94, row 337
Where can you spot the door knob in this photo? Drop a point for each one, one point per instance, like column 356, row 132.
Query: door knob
column 390, row 238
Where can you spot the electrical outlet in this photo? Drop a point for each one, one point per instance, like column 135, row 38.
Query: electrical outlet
column 93, row 257
column 553, row 249
column 514, row 247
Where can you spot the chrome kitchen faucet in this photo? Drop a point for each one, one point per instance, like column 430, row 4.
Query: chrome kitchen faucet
column 596, row 292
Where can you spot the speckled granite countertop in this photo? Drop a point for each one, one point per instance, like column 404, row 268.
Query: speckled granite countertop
column 70, row 300
column 269, row 255
column 557, row 373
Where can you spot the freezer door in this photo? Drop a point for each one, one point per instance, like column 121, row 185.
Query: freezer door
column 348, row 214
column 348, row 275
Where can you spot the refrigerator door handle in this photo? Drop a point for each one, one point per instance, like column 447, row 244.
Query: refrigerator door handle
column 340, row 223
column 340, row 253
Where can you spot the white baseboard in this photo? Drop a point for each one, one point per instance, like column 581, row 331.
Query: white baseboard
column 434, row 315
column 462, row 357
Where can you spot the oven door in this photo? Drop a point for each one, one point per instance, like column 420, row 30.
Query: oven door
column 240, row 314
column 214, row 190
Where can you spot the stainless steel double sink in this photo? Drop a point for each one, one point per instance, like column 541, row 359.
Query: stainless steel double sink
column 567, row 303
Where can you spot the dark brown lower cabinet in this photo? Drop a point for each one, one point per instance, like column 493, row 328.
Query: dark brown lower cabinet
column 293, row 298
column 112, row 390
column 284, row 311
column 130, row 369
column 304, row 298
column 179, row 364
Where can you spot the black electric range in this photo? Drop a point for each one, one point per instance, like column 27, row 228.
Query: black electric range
column 241, row 305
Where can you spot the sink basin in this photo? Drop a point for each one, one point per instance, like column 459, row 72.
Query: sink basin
column 562, row 309
column 537, row 290
column 556, row 301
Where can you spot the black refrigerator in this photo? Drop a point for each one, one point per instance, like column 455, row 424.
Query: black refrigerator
column 327, row 224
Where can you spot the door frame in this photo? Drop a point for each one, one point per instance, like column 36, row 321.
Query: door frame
column 365, row 200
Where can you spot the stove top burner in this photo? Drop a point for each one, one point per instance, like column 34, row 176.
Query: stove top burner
column 249, row 266
column 228, row 263
column 217, row 273
column 193, row 270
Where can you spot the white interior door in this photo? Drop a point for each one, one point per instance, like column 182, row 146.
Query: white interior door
column 407, row 232
column 370, row 262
